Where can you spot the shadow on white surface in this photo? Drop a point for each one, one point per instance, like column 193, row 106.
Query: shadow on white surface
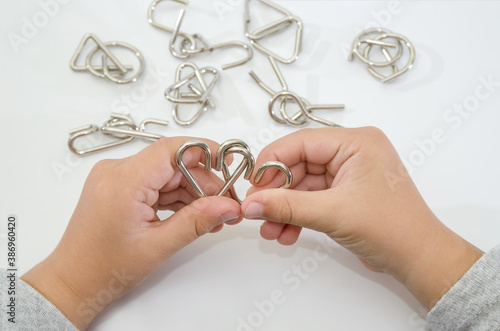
column 342, row 262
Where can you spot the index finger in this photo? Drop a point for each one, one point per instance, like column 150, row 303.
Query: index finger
column 155, row 165
column 314, row 151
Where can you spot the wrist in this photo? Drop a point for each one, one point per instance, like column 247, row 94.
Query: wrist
column 46, row 280
column 437, row 263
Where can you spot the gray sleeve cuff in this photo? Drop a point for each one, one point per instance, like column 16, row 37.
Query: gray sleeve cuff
column 33, row 311
column 473, row 303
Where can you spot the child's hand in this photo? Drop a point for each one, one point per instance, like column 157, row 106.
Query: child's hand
column 351, row 185
column 115, row 239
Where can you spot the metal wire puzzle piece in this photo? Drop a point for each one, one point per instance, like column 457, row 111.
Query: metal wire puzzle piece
column 378, row 34
column 114, row 127
column 199, row 96
column 396, row 71
column 246, row 166
column 268, row 29
column 185, row 53
column 133, row 131
column 273, row 28
column 274, row 164
column 151, row 20
column 87, row 130
column 227, row 148
column 182, row 167
column 196, row 42
column 305, row 108
column 304, row 114
column 105, row 71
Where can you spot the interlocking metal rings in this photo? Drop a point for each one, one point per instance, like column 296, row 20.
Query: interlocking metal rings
column 305, row 114
column 366, row 40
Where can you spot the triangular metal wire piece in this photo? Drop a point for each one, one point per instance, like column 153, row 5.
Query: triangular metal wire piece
column 273, row 28
column 101, row 46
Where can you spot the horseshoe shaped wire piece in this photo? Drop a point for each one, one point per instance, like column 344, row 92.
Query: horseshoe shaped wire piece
column 185, row 171
column 246, row 166
column 274, row 164
column 104, row 71
column 225, row 149
column 221, row 153
column 186, row 53
column 273, row 28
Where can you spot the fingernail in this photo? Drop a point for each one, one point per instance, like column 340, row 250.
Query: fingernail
column 229, row 216
column 254, row 211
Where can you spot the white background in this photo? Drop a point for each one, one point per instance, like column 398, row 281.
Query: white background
column 217, row 280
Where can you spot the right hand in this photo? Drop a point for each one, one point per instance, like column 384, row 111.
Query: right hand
column 352, row 185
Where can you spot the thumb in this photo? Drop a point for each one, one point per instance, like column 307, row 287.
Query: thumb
column 194, row 220
column 302, row 208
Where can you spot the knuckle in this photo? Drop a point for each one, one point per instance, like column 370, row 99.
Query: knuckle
column 283, row 211
column 100, row 171
column 102, row 165
column 374, row 133
column 198, row 216
column 162, row 143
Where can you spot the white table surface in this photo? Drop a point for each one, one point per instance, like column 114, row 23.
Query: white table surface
column 214, row 283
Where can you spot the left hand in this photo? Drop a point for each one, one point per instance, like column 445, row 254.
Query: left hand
column 115, row 239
